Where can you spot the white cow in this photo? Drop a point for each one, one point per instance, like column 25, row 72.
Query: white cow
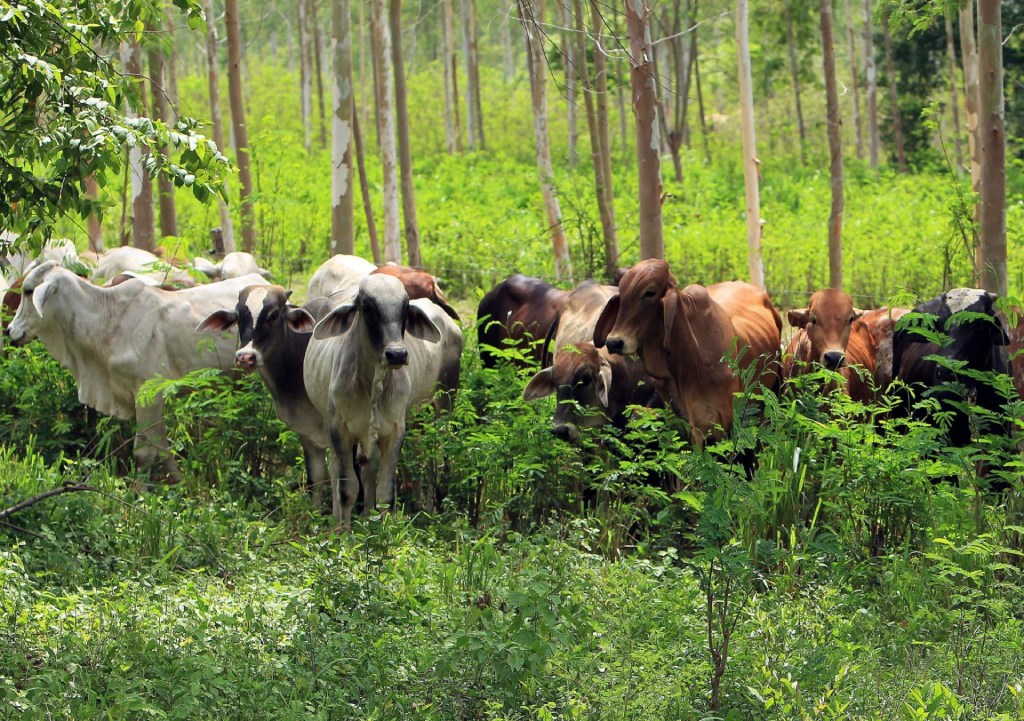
column 371, row 360
column 115, row 339
column 340, row 276
column 234, row 265
column 138, row 263
column 18, row 262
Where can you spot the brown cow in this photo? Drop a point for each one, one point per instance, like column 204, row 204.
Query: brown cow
column 518, row 311
column 419, row 284
column 682, row 337
column 870, row 349
column 823, row 329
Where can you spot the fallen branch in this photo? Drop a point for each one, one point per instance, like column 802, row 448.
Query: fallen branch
column 66, row 488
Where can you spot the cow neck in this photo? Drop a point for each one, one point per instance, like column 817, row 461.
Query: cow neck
column 700, row 338
column 283, row 365
column 379, row 380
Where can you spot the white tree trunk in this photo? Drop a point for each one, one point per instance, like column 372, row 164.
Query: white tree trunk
column 871, row 80
column 342, row 208
column 386, row 128
column 969, row 48
column 143, row 234
column 992, row 138
column 306, row 63
column 835, row 146
column 851, row 41
column 755, row 264
column 452, row 126
column 226, row 226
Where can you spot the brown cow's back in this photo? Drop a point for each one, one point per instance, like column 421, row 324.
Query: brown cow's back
column 757, row 326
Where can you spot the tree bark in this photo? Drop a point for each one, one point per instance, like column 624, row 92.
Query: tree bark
column 306, row 73
column 894, row 98
column 342, row 208
column 851, row 41
column 532, row 16
column 142, row 185
column 412, row 228
column 871, row 80
column 157, row 83
column 474, row 114
column 569, row 55
column 648, row 142
column 835, row 146
column 599, row 150
column 452, row 125
column 381, row 38
column 238, row 123
column 318, row 69
column 601, row 109
column 953, row 94
column 969, row 48
column 93, row 224
column 755, row 264
column 794, row 70
column 700, row 97
column 507, row 49
column 364, row 187
column 992, row 139
column 227, row 227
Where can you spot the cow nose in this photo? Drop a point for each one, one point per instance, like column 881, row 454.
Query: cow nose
column 834, row 359
column 245, row 359
column 614, row 345
column 565, row 431
column 396, row 356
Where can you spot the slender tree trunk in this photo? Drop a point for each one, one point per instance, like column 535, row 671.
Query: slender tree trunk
column 342, row 211
column 894, row 98
column 95, row 227
column 306, row 73
column 851, row 41
column 412, row 228
column 569, row 54
column 238, row 123
column 871, row 78
column 751, row 164
column 953, row 94
column 318, row 70
column 969, row 48
column 603, row 127
column 142, row 185
column 645, row 108
column 794, row 70
column 474, row 113
column 599, row 151
column 364, row 187
column 507, row 48
column 992, row 138
column 165, row 186
column 452, row 125
column 700, row 97
column 364, row 52
column 381, row 35
column 532, row 17
column 227, row 227
column 835, row 146
column 171, row 68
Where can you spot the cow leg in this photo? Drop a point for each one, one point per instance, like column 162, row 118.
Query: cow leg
column 151, row 443
column 344, row 481
column 390, row 450
column 316, row 469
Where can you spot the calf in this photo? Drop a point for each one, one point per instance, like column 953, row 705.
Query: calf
column 683, row 336
column 370, row 361
column 517, row 311
column 115, row 339
column 823, row 330
column 272, row 339
column 233, row 265
column 119, row 264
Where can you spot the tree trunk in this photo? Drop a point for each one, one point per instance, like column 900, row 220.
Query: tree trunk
column 227, row 227
column 645, row 108
column 474, row 113
column 342, row 211
column 794, row 70
column 95, row 227
column 507, row 49
column 165, row 186
column 969, row 48
column 306, row 73
column 700, row 97
column 599, row 151
column 569, row 55
column 412, row 228
column 894, row 98
column 835, row 146
column 364, row 100
column 992, row 139
column 318, row 70
column 603, row 128
column 364, row 187
column 851, row 40
column 381, row 38
column 452, row 125
column 755, row 264
column 238, row 123
column 953, row 94
column 871, row 79
column 142, row 184
column 532, row 16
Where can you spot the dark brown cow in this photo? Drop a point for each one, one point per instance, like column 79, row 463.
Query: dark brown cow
column 822, row 332
column 517, row 311
column 419, row 284
column 683, row 335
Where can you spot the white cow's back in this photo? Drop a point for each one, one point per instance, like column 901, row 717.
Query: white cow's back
column 339, row 276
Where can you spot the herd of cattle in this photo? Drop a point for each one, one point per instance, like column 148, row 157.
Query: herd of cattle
column 345, row 368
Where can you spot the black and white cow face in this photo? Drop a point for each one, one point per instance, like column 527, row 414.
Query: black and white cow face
column 39, row 287
column 382, row 309
column 264, row 318
column 968, row 317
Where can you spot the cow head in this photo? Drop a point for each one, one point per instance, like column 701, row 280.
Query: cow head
column 264, row 318
column 382, row 311
column 39, row 288
column 581, row 378
column 639, row 314
column 827, row 321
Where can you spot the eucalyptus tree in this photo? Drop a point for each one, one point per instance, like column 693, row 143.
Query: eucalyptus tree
column 241, row 130
column 342, row 118
column 412, row 229
column 992, row 138
column 835, row 146
column 226, row 225
column 755, row 264
column 380, row 33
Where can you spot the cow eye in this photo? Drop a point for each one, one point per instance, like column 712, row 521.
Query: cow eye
column 813, row 321
column 852, row 318
column 586, row 380
column 273, row 315
column 650, row 293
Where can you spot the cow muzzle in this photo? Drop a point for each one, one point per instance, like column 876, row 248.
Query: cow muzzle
column 566, row 432
column 620, row 346
column 17, row 335
column 247, row 360
column 396, row 356
column 833, row 359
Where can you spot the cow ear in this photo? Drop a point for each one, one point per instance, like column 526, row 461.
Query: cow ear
column 213, row 271
column 287, row 293
column 42, row 294
column 605, row 374
column 218, row 322
column 336, row 322
column 421, row 326
column 606, row 321
column 798, row 317
column 540, row 385
column 299, row 320
column 857, row 313
column 669, row 304
column 268, row 275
